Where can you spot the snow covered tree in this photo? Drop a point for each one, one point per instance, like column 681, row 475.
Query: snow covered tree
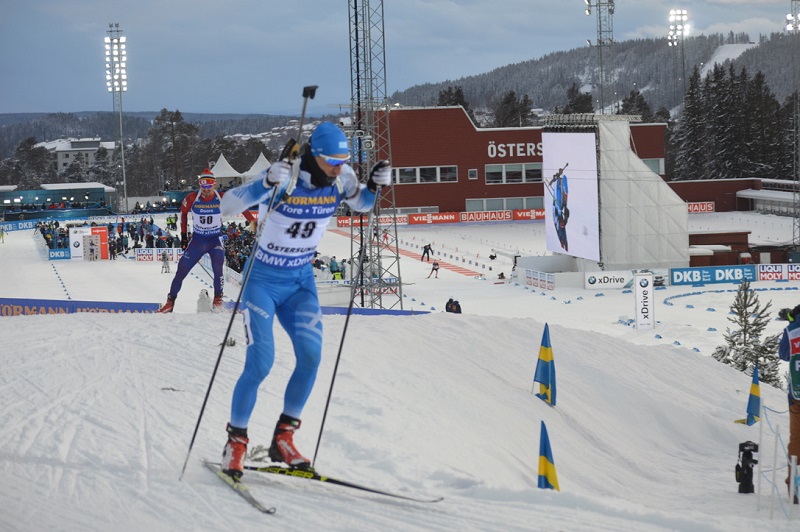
column 511, row 111
column 577, row 102
column 744, row 347
column 690, row 137
column 635, row 104
column 455, row 96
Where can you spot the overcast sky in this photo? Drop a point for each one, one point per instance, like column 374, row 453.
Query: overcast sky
column 254, row 56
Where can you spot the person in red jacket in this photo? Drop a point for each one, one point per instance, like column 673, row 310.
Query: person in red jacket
column 207, row 237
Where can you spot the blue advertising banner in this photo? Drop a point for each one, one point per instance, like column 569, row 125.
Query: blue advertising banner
column 713, row 274
column 18, row 225
column 58, row 254
column 32, row 307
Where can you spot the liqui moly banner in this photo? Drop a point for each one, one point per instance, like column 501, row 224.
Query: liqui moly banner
column 643, row 295
column 779, row 272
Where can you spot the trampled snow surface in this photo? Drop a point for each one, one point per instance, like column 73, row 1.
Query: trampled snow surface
column 97, row 410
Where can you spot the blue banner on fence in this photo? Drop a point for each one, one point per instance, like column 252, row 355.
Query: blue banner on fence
column 32, row 307
column 713, row 274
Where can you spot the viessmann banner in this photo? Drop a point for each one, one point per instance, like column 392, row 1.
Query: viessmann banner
column 430, row 218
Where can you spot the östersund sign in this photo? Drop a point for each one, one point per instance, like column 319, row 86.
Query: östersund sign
column 499, row 150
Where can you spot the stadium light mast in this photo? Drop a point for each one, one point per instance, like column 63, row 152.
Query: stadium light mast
column 605, row 38
column 117, row 83
column 678, row 29
column 793, row 27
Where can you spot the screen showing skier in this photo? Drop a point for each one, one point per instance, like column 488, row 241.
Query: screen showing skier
column 569, row 173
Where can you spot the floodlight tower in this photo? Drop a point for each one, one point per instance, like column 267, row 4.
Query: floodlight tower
column 678, row 29
column 605, row 38
column 117, row 83
column 793, row 27
column 378, row 278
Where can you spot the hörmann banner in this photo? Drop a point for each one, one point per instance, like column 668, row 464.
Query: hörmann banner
column 643, row 295
column 31, row 307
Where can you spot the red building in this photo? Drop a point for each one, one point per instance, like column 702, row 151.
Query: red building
column 443, row 161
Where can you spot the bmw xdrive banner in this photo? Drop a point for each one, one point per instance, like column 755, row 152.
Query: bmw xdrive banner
column 643, row 294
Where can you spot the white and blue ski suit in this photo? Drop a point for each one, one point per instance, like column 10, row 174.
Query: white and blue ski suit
column 282, row 284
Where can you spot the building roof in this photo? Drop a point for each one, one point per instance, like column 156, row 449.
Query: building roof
column 222, row 168
column 259, row 166
column 775, row 195
column 76, row 186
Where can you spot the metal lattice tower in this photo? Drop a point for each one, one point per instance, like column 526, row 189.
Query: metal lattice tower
column 605, row 38
column 793, row 27
column 379, row 278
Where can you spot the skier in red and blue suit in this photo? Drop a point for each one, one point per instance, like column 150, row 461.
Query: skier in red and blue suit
column 207, row 237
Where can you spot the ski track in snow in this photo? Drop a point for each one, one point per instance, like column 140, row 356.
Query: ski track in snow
column 97, row 410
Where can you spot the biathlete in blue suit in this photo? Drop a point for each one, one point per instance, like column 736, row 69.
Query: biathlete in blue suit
column 207, row 237
column 281, row 282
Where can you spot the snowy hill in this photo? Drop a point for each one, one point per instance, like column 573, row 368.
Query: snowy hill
column 98, row 411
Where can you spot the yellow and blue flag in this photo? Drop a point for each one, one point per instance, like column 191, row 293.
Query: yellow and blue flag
column 547, row 467
column 545, row 373
column 754, row 402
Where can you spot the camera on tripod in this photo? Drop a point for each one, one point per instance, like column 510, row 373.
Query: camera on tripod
column 744, row 468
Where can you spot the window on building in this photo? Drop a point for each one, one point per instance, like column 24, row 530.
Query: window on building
column 472, row 173
column 515, row 204
column 495, row 204
column 494, row 174
column 406, row 175
column 533, row 172
column 654, row 165
column 534, row 203
column 509, row 174
column 503, row 204
column 513, row 173
column 448, row 174
column 427, row 174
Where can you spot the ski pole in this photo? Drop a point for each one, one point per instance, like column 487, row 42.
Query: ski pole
column 308, row 92
column 346, row 322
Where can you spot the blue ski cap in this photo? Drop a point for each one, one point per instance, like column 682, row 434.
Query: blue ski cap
column 328, row 139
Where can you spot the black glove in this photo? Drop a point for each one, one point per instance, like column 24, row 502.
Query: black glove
column 184, row 241
column 380, row 176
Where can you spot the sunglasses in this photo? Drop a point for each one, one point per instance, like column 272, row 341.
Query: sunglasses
column 335, row 161
column 207, row 183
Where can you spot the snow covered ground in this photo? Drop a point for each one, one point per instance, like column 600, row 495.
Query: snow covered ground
column 97, row 410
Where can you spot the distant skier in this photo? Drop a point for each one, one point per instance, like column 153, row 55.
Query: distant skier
column 426, row 253
column 164, row 262
column 434, row 270
column 559, row 188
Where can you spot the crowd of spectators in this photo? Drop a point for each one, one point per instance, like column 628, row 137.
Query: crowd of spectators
column 155, row 207
column 238, row 244
column 54, row 235
column 124, row 236
column 56, row 205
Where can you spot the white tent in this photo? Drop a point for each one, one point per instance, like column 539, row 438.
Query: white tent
column 259, row 166
column 225, row 174
column 644, row 223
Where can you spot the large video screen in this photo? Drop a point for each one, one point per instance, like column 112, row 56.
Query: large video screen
column 569, row 172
